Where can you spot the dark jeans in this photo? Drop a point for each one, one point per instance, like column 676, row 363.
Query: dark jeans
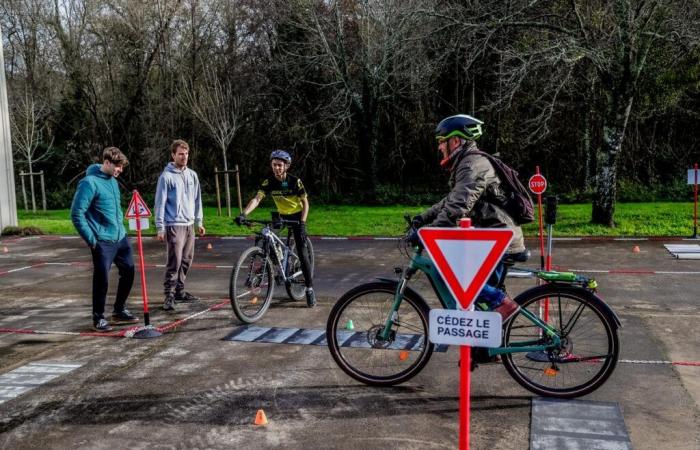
column 302, row 251
column 103, row 255
column 490, row 294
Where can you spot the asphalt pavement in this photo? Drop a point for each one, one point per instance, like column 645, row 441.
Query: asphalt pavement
column 192, row 389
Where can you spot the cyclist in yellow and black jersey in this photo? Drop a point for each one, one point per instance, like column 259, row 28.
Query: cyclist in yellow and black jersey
column 289, row 194
column 292, row 203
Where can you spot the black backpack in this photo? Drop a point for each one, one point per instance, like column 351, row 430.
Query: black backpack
column 518, row 204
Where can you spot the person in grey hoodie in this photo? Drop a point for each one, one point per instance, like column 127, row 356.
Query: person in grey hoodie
column 178, row 207
column 97, row 215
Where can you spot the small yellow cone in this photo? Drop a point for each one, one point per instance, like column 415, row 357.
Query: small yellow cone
column 403, row 355
column 209, row 246
column 254, row 300
column 260, row 418
column 635, row 249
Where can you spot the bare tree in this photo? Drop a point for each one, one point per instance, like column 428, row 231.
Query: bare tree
column 29, row 130
column 218, row 106
column 361, row 57
column 596, row 52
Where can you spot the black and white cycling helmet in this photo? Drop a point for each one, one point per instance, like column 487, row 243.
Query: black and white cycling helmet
column 281, row 154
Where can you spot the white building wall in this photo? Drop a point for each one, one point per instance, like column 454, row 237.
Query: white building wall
column 8, row 203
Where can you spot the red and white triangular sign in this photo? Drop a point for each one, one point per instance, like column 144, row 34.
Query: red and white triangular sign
column 137, row 202
column 465, row 257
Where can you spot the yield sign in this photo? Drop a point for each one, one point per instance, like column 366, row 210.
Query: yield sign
column 465, row 257
column 137, row 202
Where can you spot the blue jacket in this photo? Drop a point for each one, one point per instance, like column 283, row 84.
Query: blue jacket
column 96, row 210
column 178, row 198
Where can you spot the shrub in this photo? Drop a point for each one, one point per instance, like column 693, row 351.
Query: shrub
column 21, row 231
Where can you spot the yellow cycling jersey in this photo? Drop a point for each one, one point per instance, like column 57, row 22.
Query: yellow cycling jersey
column 287, row 194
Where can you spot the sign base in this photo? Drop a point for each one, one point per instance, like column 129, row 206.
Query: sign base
column 147, row 332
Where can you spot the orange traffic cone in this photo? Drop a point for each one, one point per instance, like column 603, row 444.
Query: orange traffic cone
column 635, row 249
column 403, row 355
column 209, row 246
column 260, row 418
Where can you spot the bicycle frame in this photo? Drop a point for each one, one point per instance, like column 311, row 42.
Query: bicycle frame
column 425, row 265
column 271, row 239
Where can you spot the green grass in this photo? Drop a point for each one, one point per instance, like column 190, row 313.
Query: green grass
column 633, row 219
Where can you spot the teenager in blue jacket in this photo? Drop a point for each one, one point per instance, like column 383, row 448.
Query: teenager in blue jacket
column 97, row 215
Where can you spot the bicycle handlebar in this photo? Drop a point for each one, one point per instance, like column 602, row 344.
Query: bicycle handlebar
column 249, row 222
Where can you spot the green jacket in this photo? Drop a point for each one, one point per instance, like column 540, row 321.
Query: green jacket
column 96, row 211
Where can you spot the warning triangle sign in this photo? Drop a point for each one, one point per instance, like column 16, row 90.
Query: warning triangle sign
column 465, row 257
column 137, row 202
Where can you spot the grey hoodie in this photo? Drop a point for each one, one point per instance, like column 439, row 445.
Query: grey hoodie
column 178, row 198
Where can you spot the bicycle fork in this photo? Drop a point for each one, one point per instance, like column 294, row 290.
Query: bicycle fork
column 385, row 333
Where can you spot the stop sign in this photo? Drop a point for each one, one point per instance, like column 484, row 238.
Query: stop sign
column 537, row 184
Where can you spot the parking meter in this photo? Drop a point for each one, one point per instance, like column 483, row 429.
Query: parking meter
column 550, row 210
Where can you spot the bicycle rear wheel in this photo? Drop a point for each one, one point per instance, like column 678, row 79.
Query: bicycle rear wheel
column 589, row 350
column 353, row 337
column 296, row 285
column 251, row 285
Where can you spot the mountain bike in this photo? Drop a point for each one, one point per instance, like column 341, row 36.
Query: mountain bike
column 378, row 332
column 270, row 261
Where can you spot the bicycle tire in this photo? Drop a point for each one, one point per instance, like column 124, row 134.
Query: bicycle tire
column 250, row 298
column 296, row 288
column 403, row 357
column 589, row 355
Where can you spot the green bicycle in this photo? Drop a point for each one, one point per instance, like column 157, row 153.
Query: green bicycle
column 378, row 332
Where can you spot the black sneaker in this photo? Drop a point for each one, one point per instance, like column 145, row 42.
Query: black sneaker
column 123, row 316
column 101, row 325
column 310, row 297
column 169, row 304
column 185, row 297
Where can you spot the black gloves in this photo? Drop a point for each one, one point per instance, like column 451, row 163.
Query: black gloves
column 240, row 220
column 417, row 222
column 412, row 237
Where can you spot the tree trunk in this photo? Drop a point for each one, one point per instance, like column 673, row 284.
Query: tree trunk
column 226, row 181
column 368, row 128
column 607, row 157
column 31, row 185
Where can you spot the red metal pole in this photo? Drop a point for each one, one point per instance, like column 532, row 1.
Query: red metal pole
column 539, row 211
column 464, row 395
column 144, row 290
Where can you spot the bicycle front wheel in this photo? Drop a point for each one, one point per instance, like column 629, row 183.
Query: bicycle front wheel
column 589, row 343
column 354, row 335
column 251, row 285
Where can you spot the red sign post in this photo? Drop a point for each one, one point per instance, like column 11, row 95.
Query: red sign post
column 465, row 257
column 139, row 210
column 538, row 184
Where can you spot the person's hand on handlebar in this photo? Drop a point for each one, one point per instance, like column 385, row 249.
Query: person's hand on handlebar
column 241, row 219
column 412, row 237
column 417, row 221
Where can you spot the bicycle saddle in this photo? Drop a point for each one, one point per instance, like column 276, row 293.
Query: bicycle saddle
column 512, row 258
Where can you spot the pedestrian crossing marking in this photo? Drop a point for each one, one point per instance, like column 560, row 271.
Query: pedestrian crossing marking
column 29, row 376
column 317, row 337
column 576, row 424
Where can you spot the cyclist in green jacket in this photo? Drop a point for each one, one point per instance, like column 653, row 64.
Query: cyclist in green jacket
column 292, row 203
